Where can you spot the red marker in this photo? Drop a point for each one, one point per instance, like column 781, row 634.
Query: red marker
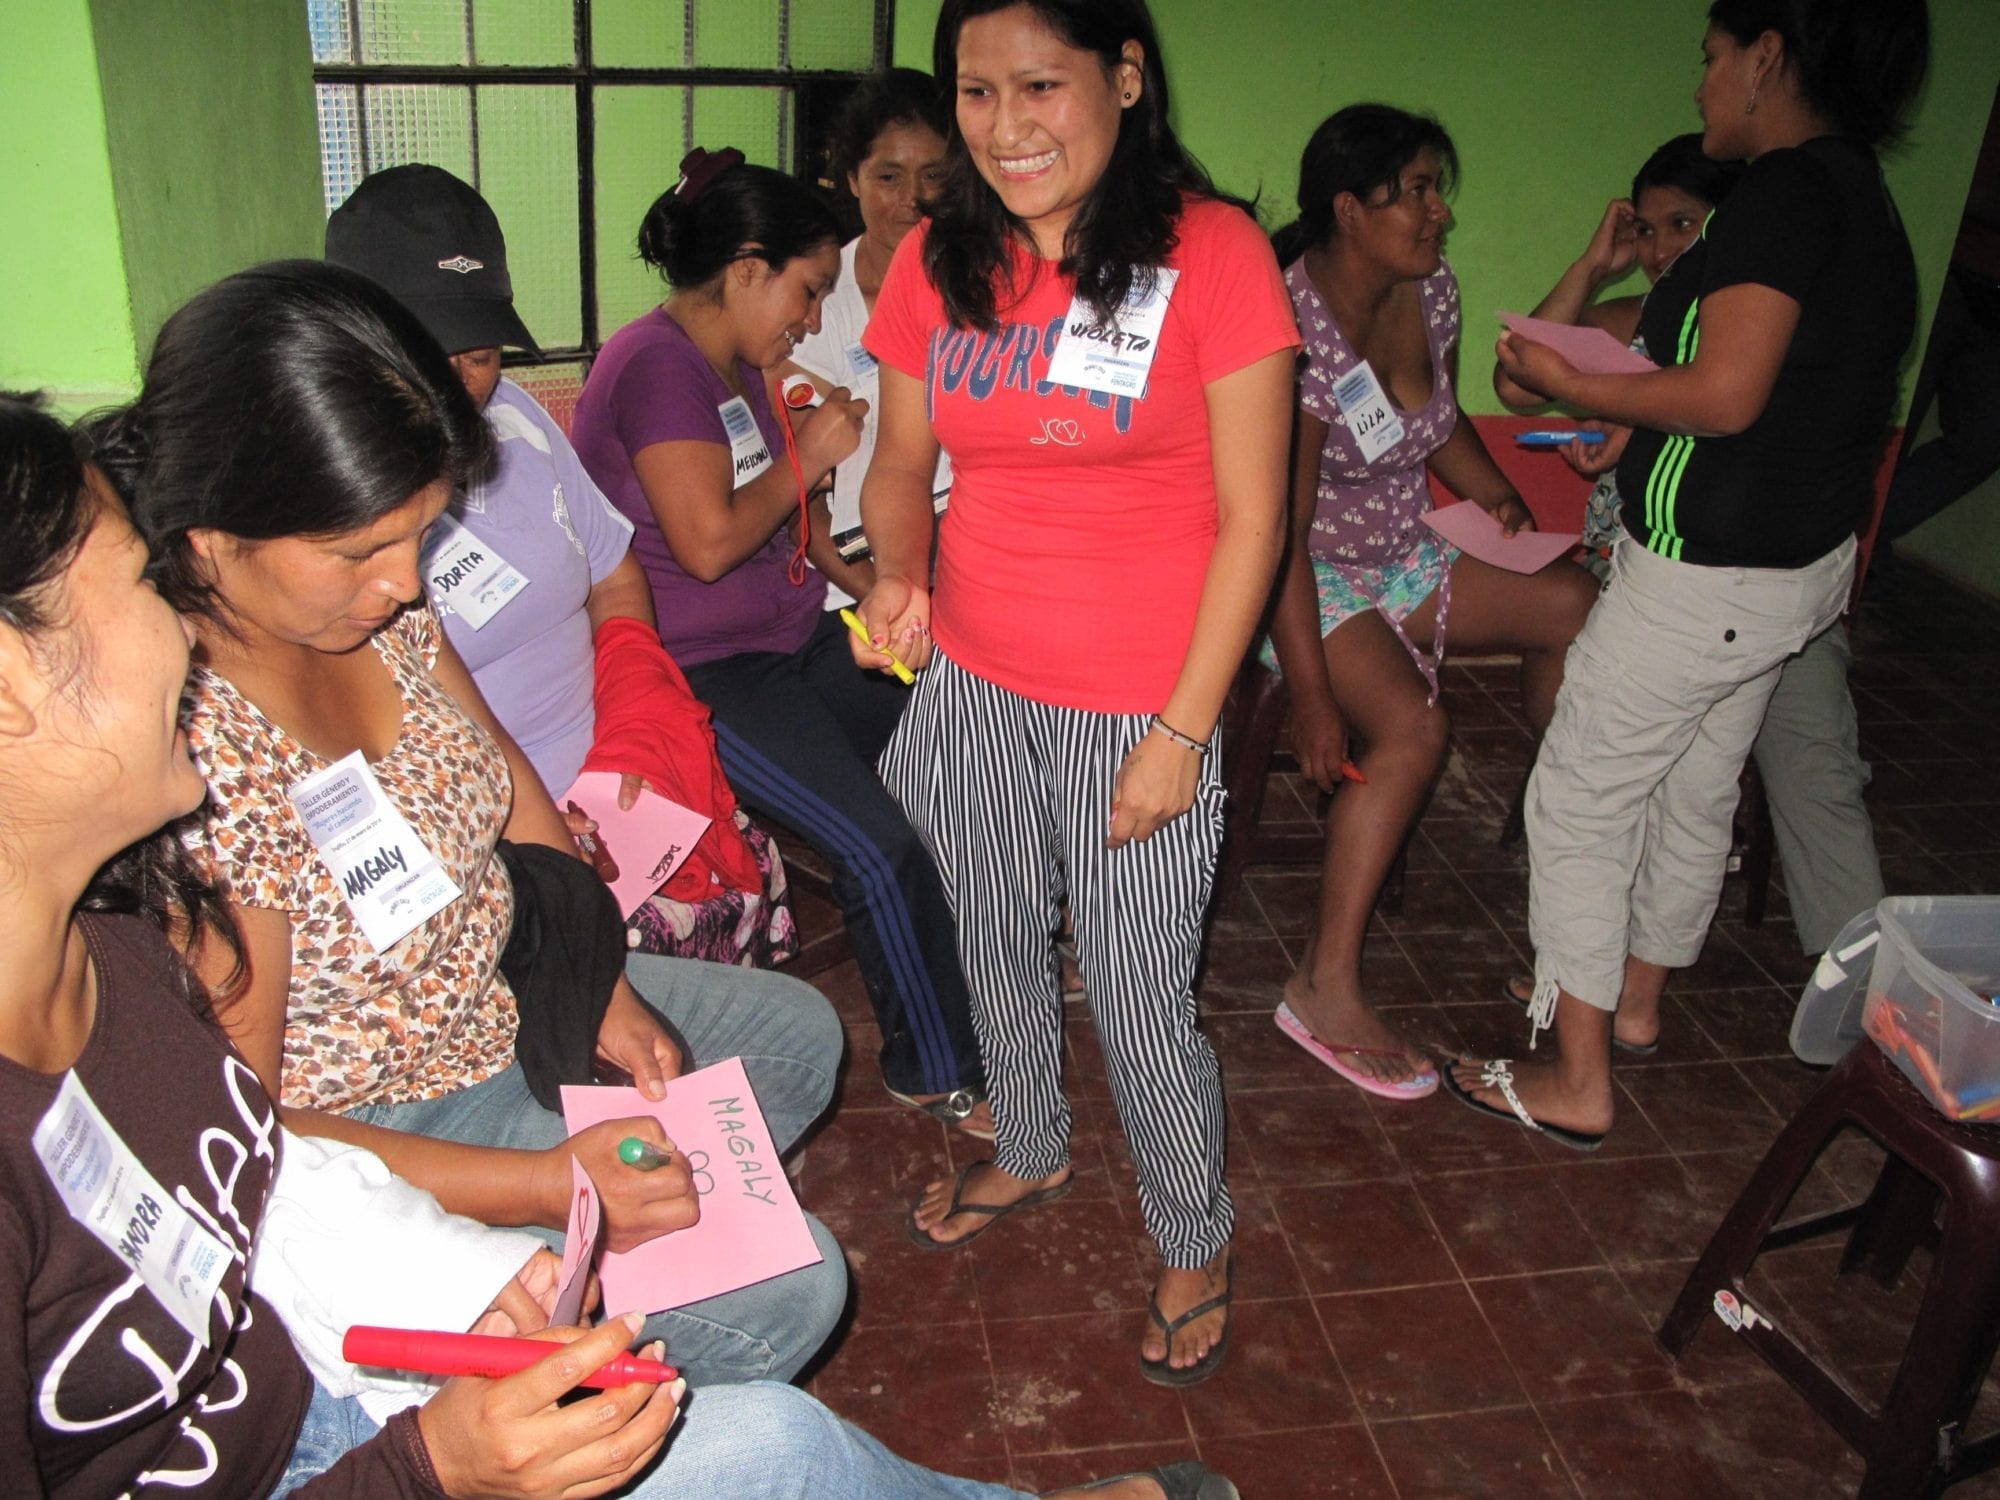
column 1352, row 772
column 483, row 1354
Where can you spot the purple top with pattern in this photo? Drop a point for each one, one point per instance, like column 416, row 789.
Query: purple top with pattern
column 1371, row 514
column 650, row 384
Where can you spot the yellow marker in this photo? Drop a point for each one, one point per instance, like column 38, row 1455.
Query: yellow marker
column 853, row 622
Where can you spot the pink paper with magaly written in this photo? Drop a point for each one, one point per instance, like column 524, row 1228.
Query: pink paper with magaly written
column 751, row 1228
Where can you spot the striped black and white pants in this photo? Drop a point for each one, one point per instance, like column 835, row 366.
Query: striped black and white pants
column 1013, row 798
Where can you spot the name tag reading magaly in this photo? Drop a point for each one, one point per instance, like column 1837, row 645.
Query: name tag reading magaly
column 109, row 1192
column 749, row 454
column 467, row 575
column 1117, row 357
column 1371, row 420
column 389, row 879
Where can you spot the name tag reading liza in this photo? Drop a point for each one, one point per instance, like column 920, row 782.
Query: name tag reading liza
column 749, row 454
column 467, row 575
column 1116, row 358
column 389, row 879
column 109, row 1192
column 1371, row 420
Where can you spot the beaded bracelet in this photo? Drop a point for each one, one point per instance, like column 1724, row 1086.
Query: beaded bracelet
column 1185, row 741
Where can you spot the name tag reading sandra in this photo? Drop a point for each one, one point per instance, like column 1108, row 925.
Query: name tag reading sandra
column 1371, row 420
column 749, row 454
column 109, row 1192
column 389, row 879
column 465, row 576
column 1116, row 358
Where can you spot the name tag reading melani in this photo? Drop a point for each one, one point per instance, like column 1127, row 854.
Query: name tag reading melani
column 389, row 879
column 109, row 1192
column 749, row 454
column 467, row 575
column 1371, row 420
column 1116, row 358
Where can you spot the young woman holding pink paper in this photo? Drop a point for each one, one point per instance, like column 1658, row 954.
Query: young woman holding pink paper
column 1368, row 591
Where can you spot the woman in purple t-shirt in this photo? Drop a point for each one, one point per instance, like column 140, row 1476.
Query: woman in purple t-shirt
column 1368, row 589
column 676, row 425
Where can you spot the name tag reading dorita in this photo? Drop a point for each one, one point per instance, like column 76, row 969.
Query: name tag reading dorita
column 109, row 1192
column 466, row 575
column 1371, row 420
column 389, row 879
column 749, row 454
column 1114, row 357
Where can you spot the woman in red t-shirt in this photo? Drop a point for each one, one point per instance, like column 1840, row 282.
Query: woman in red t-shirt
column 1104, row 346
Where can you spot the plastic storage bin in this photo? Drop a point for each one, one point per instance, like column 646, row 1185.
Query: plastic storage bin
column 1930, row 999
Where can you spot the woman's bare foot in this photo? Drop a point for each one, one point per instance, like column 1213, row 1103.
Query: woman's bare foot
column 1347, row 1020
column 1547, row 1091
column 1139, row 1487
column 977, row 1122
column 1638, row 1018
column 985, row 1184
column 1176, row 1292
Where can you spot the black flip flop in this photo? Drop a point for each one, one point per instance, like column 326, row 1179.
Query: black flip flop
column 994, row 1212
column 1159, row 1371
column 1637, row 1049
column 1498, row 1075
column 1183, row 1481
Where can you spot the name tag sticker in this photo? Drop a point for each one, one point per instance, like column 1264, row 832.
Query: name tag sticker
column 466, row 576
column 390, row 880
column 1116, row 358
column 1371, row 420
column 749, row 454
column 109, row 1191
column 860, row 361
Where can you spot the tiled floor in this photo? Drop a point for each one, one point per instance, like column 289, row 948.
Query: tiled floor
column 1428, row 1304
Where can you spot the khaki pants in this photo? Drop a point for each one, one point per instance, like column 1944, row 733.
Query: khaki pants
column 1629, row 806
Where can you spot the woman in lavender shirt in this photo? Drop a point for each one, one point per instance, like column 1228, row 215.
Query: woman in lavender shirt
column 1368, row 590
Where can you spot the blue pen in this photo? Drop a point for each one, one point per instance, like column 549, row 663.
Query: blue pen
column 1556, row 439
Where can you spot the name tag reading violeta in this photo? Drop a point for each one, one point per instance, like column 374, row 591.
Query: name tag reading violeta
column 389, row 879
column 1115, row 357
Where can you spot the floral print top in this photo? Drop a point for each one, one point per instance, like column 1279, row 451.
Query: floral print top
column 1370, row 514
column 432, row 1015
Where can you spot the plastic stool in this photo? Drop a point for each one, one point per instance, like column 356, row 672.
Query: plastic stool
column 1912, row 1445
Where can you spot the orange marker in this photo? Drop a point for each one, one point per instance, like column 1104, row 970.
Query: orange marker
column 1351, row 772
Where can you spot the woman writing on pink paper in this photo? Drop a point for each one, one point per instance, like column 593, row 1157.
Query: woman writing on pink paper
column 1369, row 595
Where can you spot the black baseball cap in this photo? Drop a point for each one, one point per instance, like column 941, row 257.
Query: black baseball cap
column 434, row 242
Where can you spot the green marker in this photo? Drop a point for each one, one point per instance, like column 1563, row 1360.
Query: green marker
column 637, row 1153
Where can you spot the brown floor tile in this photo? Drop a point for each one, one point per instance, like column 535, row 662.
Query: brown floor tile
column 1256, row 1055
column 1744, row 1023
column 1244, row 974
column 1497, row 1455
column 897, row 1284
column 1573, row 1333
column 927, row 1391
column 1506, row 1223
column 1723, row 965
column 1464, row 967
column 1040, row 1472
column 1067, row 1258
column 1775, row 946
column 1652, row 1208
column 843, row 988
column 1436, row 901
column 1439, row 1134
column 1717, row 1357
column 1288, row 898
column 1311, row 1135
column 1643, row 1447
column 1325, row 1463
column 1266, row 1268
column 1769, row 1442
column 1074, row 1382
column 1785, row 1082
column 1418, row 1352
column 1503, row 895
column 1279, row 1374
column 870, row 1161
column 1362, row 1236
column 1703, row 1107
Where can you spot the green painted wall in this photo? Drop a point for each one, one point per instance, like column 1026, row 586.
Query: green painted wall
column 214, row 148
column 65, row 320
column 1552, row 105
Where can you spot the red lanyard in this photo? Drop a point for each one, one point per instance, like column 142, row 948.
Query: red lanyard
column 796, row 569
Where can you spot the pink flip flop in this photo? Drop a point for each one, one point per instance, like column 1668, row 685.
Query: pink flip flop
column 1421, row 1087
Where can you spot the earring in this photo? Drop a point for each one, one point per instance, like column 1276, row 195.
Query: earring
column 1128, row 98
column 1750, row 105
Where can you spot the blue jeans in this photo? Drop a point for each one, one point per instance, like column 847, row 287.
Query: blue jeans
column 790, row 1041
column 740, row 1442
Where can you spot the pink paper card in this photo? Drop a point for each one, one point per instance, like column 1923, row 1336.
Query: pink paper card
column 1472, row 530
column 1590, row 350
column 644, row 845
column 580, row 1241
column 751, row 1225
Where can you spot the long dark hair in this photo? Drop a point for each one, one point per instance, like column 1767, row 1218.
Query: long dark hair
column 895, row 96
column 1362, row 150
column 46, row 513
column 1680, row 164
column 742, row 212
column 1860, row 64
column 292, row 399
column 1126, row 226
